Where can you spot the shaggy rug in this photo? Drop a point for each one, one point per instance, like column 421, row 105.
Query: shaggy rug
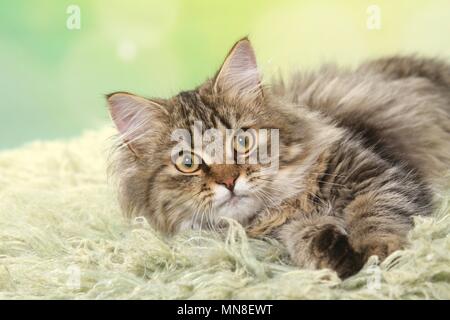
column 62, row 237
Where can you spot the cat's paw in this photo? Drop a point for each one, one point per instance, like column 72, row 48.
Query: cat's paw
column 381, row 246
column 332, row 249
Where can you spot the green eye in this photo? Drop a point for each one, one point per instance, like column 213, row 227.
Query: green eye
column 188, row 163
column 244, row 142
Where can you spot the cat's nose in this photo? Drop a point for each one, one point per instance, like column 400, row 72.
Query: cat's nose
column 228, row 182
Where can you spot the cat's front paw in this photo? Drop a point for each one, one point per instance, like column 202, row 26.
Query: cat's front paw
column 381, row 245
column 332, row 249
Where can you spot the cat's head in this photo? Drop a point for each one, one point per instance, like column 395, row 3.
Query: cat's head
column 179, row 190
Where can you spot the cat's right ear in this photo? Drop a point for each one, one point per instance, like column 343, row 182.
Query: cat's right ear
column 135, row 118
column 239, row 72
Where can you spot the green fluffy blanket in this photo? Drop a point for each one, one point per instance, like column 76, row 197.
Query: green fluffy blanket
column 62, row 236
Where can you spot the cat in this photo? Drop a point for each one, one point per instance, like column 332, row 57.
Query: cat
column 360, row 153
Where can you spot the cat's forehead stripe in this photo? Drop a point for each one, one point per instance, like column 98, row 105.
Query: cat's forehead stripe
column 194, row 109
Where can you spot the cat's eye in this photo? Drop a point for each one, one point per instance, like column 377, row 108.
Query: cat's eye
column 244, row 142
column 188, row 163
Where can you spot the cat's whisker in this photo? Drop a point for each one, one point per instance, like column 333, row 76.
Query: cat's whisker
column 326, row 182
column 329, row 174
column 194, row 217
column 267, row 197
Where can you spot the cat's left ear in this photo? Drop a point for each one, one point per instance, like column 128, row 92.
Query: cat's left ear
column 138, row 120
column 239, row 72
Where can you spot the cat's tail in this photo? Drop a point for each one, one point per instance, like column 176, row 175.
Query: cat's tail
column 396, row 67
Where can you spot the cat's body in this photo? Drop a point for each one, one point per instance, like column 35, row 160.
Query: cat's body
column 361, row 152
column 395, row 149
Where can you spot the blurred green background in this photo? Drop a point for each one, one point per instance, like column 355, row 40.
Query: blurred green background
column 53, row 79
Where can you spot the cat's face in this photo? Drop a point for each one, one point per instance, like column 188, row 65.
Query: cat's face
column 198, row 188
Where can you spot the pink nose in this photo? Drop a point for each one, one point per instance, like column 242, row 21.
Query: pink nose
column 228, row 182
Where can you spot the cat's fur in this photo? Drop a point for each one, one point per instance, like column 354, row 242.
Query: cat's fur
column 361, row 152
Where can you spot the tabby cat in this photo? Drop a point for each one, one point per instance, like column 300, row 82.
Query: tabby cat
column 360, row 153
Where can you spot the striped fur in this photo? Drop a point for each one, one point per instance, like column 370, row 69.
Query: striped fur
column 361, row 152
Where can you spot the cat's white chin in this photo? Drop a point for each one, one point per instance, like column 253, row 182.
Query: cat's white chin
column 239, row 208
column 239, row 205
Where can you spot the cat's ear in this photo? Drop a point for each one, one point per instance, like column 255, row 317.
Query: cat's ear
column 135, row 118
column 239, row 72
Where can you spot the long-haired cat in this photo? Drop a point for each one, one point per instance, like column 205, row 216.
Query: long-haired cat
column 360, row 153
